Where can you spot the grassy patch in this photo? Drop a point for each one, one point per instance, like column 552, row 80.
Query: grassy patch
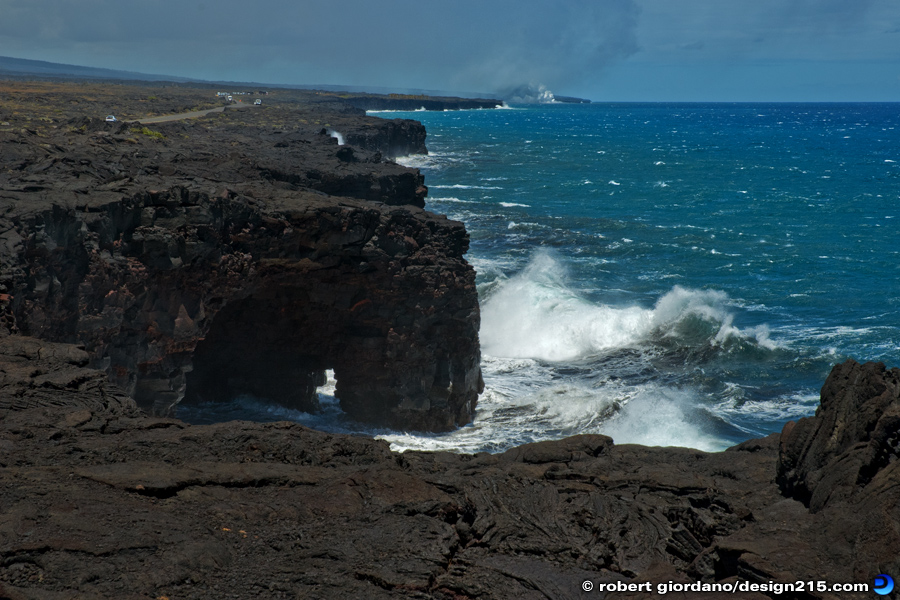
column 149, row 133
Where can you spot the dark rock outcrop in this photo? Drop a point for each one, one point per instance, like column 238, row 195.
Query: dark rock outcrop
column 854, row 436
column 40, row 375
column 395, row 137
column 252, row 243
column 100, row 503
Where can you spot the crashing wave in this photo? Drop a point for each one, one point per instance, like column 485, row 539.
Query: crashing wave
column 535, row 314
column 336, row 135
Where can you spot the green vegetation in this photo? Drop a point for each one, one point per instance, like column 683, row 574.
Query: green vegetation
column 149, row 133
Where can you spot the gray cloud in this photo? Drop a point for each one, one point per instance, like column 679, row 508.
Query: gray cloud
column 772, row 29
column 466, row 44
column 821, row 14
column 573, row 47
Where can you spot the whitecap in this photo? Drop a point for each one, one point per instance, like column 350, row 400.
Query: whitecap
column 451, row 199
column 523, row 225
column 458, row 186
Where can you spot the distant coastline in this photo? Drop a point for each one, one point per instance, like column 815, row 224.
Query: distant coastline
column 37, row 70
column 416, row 102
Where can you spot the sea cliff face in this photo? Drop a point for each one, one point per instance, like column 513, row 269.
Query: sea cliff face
column 244, row 253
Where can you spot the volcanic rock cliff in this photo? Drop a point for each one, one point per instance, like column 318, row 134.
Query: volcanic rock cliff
column 245, row 252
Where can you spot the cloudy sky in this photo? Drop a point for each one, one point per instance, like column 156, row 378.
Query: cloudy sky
column 656, row 50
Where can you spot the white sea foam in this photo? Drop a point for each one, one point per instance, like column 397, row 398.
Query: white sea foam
column 658, row 416
column 524, row 225
column 432, row 160
column 417, row 161
column 511, row 204
column 459, row 186
column 451, row 199
column 735, row 408
column 518, row 407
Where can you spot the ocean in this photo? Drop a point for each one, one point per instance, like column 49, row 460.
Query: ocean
column 665, row 274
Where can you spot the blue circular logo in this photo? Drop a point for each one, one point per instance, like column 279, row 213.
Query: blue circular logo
column 884, row 585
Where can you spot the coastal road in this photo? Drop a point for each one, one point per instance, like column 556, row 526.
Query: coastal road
column 190, row 115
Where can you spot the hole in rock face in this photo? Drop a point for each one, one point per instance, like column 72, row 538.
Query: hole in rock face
column 275, row 347
column 258, row 349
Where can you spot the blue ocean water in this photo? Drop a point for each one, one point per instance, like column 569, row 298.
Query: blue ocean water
column 667, row 274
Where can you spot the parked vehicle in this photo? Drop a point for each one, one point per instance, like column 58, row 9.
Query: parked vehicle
column 258, row 102
column 111, row 118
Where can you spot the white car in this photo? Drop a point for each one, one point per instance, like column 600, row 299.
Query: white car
column 111, row 118
column 258, row 102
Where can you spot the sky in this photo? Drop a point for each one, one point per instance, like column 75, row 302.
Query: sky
column 604, row 50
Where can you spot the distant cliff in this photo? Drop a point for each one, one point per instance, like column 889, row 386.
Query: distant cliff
column 410, row 103
column 571, row 100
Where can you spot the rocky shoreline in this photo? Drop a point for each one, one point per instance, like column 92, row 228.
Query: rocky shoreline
column 199, row 258
column 102, row 501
